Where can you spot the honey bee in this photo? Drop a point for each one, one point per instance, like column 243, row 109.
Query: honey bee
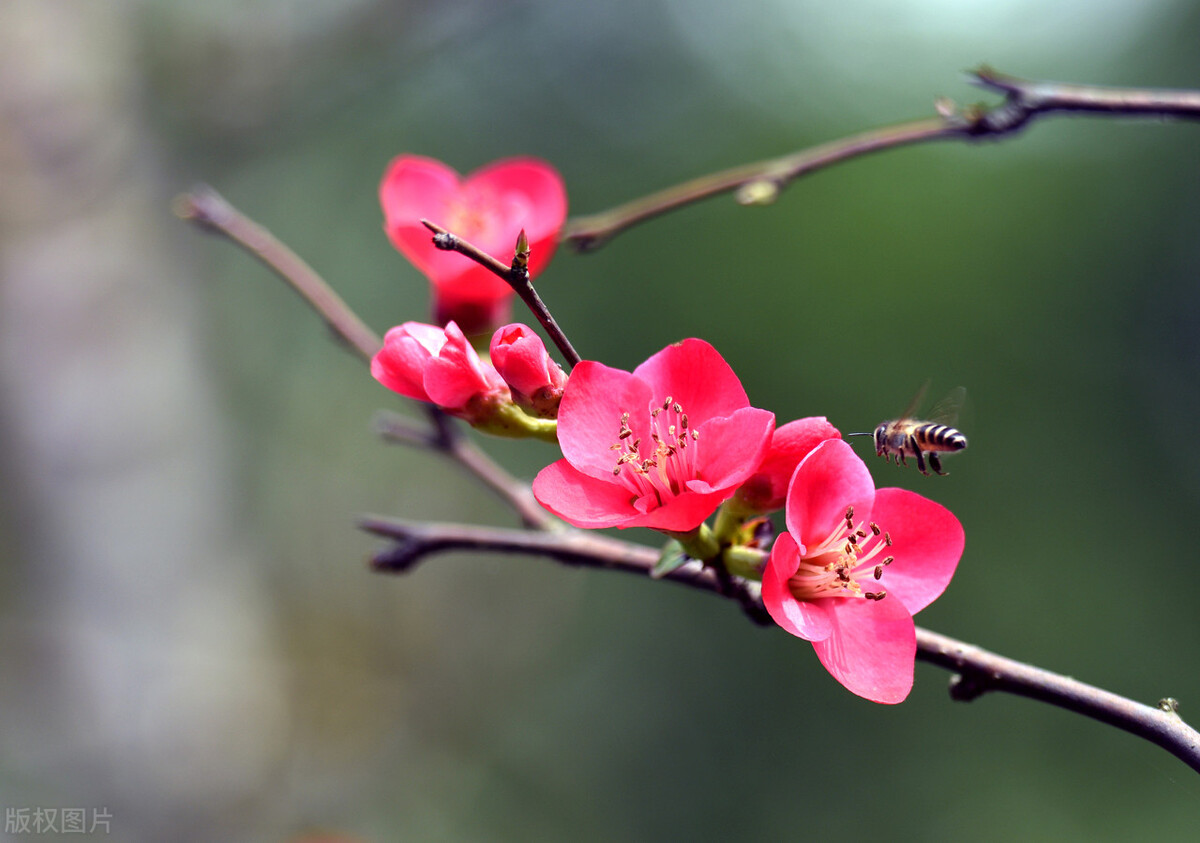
column 922, row 440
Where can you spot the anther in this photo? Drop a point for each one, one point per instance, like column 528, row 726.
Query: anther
column 860, row 534
column 667, row 404
column 874, row 528
column 887, row 539
column 888, row 560
column 874, row 595
column 683, row 421
column 849, row 512
column 878, row 571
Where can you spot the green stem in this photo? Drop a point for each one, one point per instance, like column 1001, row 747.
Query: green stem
column 700, row 543
column 744, row 562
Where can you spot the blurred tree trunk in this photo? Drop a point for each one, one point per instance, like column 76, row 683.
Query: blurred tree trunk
column 114, row 490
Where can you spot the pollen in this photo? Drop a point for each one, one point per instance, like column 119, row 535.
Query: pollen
column 663, row 467
column 839, row 565
column 473, row 213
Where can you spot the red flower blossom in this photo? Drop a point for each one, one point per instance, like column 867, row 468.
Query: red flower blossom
column 439, row 366
column 854, row 567
column 520, row 357
column 488, row 208
column 766, row 490
column 660, row 447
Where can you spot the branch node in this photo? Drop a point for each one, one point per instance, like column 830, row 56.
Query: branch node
column 966, row 687
column 1169, row 705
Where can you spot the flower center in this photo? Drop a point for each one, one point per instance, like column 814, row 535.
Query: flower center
column 663, row 467
column 471, row 213
column 482, row 213
column 833, row 567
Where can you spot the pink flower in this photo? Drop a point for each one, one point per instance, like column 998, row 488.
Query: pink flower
column 520, row 357
column 488, row 208
column 766, row 489
column 853, row 568
column 660, row 447
column 439, row 366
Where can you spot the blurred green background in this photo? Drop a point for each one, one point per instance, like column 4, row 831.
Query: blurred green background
column 188, row 634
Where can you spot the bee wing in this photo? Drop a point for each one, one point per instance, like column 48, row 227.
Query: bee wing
column 946, row 411
column 911, row 409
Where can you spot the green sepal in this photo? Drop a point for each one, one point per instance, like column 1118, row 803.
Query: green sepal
column 671, row 557
column 510, row 421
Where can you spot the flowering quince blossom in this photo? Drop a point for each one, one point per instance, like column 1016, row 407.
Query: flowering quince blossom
column 439, row 366
column 536, row 381
column 660, row 447
column 766, row 490
column 488, row 208
column 853, row 568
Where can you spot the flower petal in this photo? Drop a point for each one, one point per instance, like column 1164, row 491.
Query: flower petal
column 697, row 377
column 872, row 648
column 501, row 199
column 732, row 447
column 531, row 196
column 582, row 500
column 520, row 357
column 407, row 350
column 456, row 374
column 927, row 542
column 681, row 513
column 589, row 417
column 802, row 618
column 767, row 489
column 414, row 187
column 827, row 481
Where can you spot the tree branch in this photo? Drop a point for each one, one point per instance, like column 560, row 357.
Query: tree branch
column 207, row 209
column 979, row 671
column 447, row 437
column 516, row 276
column 761, row 182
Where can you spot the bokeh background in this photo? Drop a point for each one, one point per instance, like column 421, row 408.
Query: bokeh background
column 189, row 636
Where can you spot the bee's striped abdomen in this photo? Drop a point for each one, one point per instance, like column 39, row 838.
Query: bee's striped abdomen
column 939, row 437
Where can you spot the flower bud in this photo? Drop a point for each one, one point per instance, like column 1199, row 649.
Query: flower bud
column 766, row 490
column 536, row 381
column 440, row 367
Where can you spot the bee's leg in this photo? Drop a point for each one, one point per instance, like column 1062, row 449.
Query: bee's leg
column 936, row 464
column 921, row 461
column 900, row 460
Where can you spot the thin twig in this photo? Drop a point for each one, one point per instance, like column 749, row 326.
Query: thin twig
column 516, row 276
column 761, row 181
column 417, row 540
column 979, row 671
column 982, row 672
column 519, row 496
column 207, row 209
